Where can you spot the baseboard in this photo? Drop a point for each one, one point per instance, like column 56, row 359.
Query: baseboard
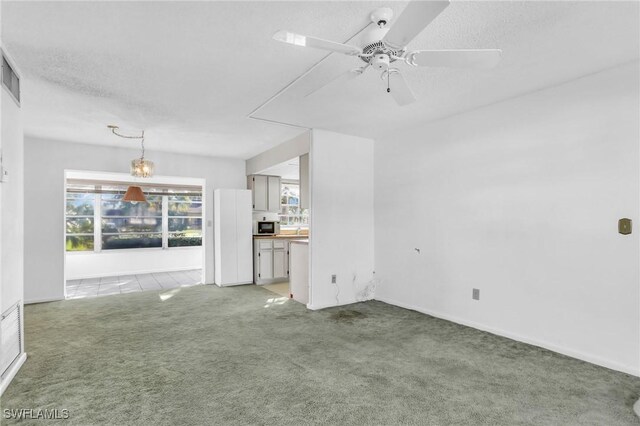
column 234, row 284
column 144, row 271
column 45, row 300
column 514, row 336
column 11, row 373
column 332, row 305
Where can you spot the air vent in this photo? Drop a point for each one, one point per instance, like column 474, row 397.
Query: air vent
column 10, row 338
column 10, row 80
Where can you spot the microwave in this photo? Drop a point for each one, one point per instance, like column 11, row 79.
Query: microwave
column 266, row 227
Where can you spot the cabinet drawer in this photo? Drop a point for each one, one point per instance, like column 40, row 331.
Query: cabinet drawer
column 278, row 244
column 264, row 245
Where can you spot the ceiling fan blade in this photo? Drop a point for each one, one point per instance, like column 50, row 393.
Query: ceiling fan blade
column 301, row 40
column 467, row 58
column 400, row 90
column 413, row 19
column 346, row 76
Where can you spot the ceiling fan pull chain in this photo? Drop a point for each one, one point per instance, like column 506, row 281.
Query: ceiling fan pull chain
column 388, row 88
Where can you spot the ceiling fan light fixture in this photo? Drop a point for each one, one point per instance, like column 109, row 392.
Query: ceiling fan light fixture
column 134, row 194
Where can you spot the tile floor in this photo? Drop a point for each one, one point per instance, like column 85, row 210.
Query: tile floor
column 104, row 286
column 281, row 289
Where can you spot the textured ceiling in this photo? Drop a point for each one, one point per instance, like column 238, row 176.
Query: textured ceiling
column 190, row 73
column 287, row 170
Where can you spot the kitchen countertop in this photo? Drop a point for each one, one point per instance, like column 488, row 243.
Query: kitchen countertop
column 281, row 237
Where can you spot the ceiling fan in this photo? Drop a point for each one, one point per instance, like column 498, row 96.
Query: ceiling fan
column 383, row 45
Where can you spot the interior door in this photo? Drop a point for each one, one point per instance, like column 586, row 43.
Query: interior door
column 265, row 264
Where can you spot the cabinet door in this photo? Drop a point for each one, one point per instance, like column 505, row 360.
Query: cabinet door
column 265, row 264
column 259, row 190
column 243, row 236
column 274, row 194
column 226, row 248
column 279, row 263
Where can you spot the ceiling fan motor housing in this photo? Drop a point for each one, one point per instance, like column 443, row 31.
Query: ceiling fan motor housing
column 380, row 61
column 373, row 45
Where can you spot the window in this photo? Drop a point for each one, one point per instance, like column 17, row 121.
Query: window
column 130, row 225
column 291, row 214
column 125, row 225
column 80, row 221
column 185, row 220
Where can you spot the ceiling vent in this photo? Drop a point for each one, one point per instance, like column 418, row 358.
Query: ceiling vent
column 10, row 80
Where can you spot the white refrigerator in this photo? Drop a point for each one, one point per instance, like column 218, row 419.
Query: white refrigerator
column 233, row 231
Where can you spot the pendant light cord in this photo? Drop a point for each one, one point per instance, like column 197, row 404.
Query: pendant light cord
column 142, row 143
column 115, row 132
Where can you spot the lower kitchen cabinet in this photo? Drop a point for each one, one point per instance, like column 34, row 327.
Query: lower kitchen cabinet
column 271, row 261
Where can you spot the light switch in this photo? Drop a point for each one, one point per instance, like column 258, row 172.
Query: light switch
column 624, row 226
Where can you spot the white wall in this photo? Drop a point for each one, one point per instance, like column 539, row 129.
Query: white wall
column 12, row 204
column 46, row 161
column 521, row 199
column 11, row 214
column 132, row 261
column 342, row 231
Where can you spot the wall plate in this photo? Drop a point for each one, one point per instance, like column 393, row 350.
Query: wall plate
column 624, row 226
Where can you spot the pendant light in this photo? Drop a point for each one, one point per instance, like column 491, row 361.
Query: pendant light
column 134, row 194
column 140, row 167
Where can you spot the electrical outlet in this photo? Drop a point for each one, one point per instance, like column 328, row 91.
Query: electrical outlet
column 333, row 279
column 476, row 294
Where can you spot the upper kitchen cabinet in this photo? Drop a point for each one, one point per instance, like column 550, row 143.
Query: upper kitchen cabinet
column 265, row 192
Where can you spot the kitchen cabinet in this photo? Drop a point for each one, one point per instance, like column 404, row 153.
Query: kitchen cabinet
column 265, row 192
column 232, row 238
column 271, row 261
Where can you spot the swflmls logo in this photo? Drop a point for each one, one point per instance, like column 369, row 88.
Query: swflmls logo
column 38, row 414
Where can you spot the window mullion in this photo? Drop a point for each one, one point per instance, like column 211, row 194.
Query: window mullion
column 165, row 221
column 97, row 222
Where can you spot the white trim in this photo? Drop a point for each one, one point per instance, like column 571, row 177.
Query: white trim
column 143, row 271
column 126, row 178
column 129, row 250
column 165, row 222
column 11, row 373
column 45, row 300
column 514, row 336
column 234, row 284
column 332, row 305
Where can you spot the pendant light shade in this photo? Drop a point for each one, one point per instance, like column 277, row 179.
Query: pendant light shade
column 141, row 167
column 134, row 194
